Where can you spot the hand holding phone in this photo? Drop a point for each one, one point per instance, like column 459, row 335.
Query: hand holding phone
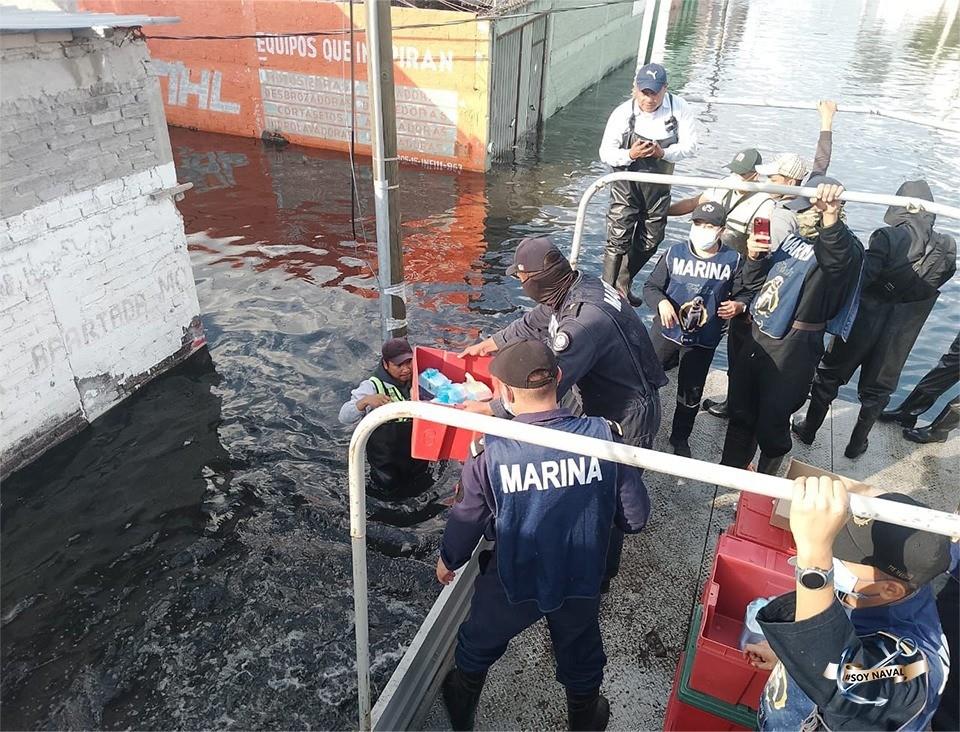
column 758, row 244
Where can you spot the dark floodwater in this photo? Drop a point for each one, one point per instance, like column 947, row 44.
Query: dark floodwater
column 184, row 562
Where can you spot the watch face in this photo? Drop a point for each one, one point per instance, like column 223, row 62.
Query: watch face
column 813, row 580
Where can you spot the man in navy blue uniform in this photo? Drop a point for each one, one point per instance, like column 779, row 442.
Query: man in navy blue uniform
column 859, row 644
column 550, row 513
column 697, row 286
column 813, row 285
column 600, row 342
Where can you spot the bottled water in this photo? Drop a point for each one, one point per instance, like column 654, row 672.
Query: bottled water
column 433, row 381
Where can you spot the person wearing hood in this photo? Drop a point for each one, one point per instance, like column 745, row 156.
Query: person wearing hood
column 907, row 262
column 601, row 344
column 813, row 285
column 393, row 472
column 697, row 286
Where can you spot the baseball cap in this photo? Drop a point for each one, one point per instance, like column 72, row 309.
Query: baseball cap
column 651, row 77
column 745, row 161
column 710, row 213
column 397, row 351
column 514, row 363
column 534, row 254
column 788, row 165
column 802, row 203
column 908, row 554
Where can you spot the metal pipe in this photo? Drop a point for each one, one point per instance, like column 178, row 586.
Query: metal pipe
column 879, row 199
column 925, row 519
column 781, row 104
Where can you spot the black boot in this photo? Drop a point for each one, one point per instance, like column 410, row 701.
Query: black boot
column 683, row 419
column 806, row 429
column 769, row 465
column 611, row 268
column 939, row 429
column 461, row 694
column 858, row 438
column 901, row 414
column 589, row 711
column 717, row 409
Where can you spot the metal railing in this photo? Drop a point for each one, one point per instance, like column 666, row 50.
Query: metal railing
column 937, row 124
column 767, row 485
column 878, row 199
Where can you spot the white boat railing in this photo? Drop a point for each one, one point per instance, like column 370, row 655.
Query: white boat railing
column 937, row 124
column 742, row 480
column 877, row 199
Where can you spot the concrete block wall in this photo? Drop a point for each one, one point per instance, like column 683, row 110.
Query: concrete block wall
column 96, row 291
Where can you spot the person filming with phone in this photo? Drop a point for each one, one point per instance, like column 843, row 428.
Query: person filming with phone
column 813, row 284
column 650, row 132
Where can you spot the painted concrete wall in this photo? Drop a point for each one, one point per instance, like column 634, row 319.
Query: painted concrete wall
column 96, row 290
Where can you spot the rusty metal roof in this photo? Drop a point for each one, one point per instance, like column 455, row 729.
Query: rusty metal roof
column 14, row 20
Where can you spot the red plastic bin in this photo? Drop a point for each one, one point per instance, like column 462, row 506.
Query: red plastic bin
column 682, row 717
column 742, row 571
column 432, row 441
column 753, row 524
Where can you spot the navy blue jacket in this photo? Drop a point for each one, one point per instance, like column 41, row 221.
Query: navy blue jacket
column 544, row 532
column 601, row 344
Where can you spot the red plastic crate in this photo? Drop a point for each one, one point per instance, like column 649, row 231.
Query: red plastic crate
column 682, row 717
column 432, row 441
column 753, row 524
column 742, row 571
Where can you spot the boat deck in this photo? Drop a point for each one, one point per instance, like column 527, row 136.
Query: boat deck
column 645, row 616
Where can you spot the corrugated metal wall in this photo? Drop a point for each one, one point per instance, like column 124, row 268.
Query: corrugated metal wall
column 517, row 85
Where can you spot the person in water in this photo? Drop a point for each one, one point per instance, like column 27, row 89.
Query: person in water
column 858, row 645
column 697, row 286
column 650, row 132
column 550, row 513
column 907, row 262
column 393, row 472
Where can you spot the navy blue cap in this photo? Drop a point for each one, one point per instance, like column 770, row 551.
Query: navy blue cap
column 534, row 254
column 652, row 77
column 710, row 213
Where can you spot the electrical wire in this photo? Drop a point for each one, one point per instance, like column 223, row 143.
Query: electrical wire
column 411, row 26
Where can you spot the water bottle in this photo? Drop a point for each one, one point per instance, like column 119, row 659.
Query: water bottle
column 433, row 381
column 751, row 632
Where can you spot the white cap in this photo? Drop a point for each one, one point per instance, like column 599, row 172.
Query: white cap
column 788, row 165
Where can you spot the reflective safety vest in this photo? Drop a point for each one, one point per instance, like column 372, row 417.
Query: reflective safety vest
column 696, row 287
column 774, row 307
column 741, row 213
column 554, row 511
column 389, row 390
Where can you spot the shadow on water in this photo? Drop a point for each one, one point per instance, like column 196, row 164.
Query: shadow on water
column 184, row 563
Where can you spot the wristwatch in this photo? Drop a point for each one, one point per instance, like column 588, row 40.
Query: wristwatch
column 813, row 578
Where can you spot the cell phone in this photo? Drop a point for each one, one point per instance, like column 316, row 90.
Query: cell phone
column 761, row 227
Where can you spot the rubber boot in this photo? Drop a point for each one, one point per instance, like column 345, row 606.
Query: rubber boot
column 683, row 419
column 939, row 429
column 717, row 409
column 858, row 438
column 589, row 711
column 611, row 268
column 461, row 694
column 769, row 465
column 806, row 429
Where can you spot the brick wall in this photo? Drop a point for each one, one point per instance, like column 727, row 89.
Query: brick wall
column 96, row 291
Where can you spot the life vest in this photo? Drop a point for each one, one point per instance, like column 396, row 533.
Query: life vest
column 774, row 306
column 554, row 511
column 696, row 287
column 671, row 137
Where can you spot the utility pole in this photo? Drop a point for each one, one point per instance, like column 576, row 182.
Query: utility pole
column 386, row 169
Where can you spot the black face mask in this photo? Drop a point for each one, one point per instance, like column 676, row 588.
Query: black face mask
column 549, row 286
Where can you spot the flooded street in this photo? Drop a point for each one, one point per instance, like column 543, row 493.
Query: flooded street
column 184, row 563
